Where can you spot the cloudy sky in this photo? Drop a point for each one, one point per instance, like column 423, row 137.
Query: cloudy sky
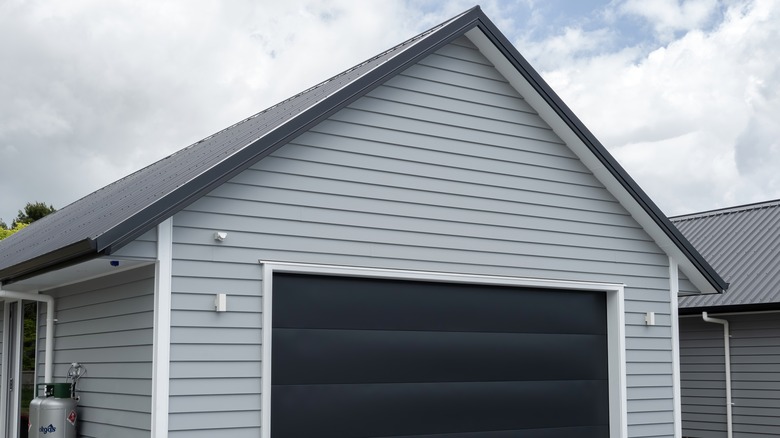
column 685, row 93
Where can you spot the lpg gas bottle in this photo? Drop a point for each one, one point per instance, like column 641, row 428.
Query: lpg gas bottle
column 53, row 415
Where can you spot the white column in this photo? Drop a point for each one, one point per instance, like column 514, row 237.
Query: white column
column 162, row 330
column 674, row 291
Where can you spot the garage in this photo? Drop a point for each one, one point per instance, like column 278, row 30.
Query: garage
column 377, row 357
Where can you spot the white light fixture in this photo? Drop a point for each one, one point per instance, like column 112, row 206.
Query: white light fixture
column 219, row 236
column 650, row 318
column 220, row 303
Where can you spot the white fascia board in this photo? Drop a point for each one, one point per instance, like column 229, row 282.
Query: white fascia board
column 581, row 150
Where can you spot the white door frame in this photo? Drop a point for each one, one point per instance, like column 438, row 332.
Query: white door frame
column 616, row 340
column 12, row 348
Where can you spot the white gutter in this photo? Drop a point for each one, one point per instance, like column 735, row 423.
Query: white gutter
column 726, row 347
column 48, row 360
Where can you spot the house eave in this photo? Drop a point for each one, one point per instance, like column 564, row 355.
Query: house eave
column 63, row 257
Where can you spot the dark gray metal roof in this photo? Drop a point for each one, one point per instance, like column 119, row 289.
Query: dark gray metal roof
column 118, row 213
column 743, row 244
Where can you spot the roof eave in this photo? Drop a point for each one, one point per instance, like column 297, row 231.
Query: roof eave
column 733, row 308
column 65, row 256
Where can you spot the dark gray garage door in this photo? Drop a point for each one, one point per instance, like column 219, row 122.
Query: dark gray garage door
column 360, row 357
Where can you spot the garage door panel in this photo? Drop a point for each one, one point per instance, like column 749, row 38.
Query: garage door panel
column 435, row 408
column 364, row 303
column 373, row 356
column 563, row 432
column 368, row 357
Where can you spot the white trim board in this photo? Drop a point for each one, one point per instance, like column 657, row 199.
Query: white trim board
column 9, row 399
column 674, row 291
column 162, row 331
column 615, row 322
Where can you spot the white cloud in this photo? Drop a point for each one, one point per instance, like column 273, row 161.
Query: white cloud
column 668, row 17
column 94, row 90
column 694, row 120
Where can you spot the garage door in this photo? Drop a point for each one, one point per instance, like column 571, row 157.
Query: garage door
column 365, row 357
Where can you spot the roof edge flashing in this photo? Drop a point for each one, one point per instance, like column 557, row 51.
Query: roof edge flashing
column 168, row 205
column 65, row 256
column 494, row 45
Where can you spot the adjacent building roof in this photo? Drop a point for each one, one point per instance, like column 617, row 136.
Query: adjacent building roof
column 743, row 244
column 109, row 218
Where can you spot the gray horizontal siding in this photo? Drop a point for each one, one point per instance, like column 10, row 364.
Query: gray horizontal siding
column 755, row 371
column 444, row 168
column 106, row 324
column 144, row 247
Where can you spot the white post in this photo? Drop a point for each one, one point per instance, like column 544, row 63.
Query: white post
column 674, row 291
column 48, row 361
column 162, row 330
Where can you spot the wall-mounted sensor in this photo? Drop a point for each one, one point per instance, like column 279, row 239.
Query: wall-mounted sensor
column 219, row 236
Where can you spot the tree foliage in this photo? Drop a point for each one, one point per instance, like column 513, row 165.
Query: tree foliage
column 32, row 212
column 5, row 232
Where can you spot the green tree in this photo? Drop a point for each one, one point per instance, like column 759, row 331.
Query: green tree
column 5, row 232
column 32, row 212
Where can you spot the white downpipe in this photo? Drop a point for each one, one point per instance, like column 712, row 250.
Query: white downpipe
column 727, row 348
column 49, row 345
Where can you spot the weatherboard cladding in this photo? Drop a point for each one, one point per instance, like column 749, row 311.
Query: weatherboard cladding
column 755, row 372
column 106, row 324
column 742, row 244
column 442, row 168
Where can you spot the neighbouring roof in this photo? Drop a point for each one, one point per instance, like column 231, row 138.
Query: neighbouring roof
column 743, row 244
column 109, row 218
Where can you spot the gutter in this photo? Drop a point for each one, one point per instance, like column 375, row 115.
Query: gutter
column 49, row 300
column 727, row 354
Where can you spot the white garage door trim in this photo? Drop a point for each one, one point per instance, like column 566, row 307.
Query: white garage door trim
column 618, row 411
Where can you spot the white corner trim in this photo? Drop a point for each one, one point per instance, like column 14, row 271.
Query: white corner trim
column 162, row 330
column 616, row 340
column 674, row 292
column 616, row 347
column 4, row 392
column 267, row 291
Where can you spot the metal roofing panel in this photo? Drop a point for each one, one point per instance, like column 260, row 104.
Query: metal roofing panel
column 743, row 244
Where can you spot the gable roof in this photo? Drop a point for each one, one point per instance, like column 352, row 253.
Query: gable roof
column 741, row 243
column 109, row 218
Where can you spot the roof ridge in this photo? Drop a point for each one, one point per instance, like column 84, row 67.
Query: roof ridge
column 726, row 210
